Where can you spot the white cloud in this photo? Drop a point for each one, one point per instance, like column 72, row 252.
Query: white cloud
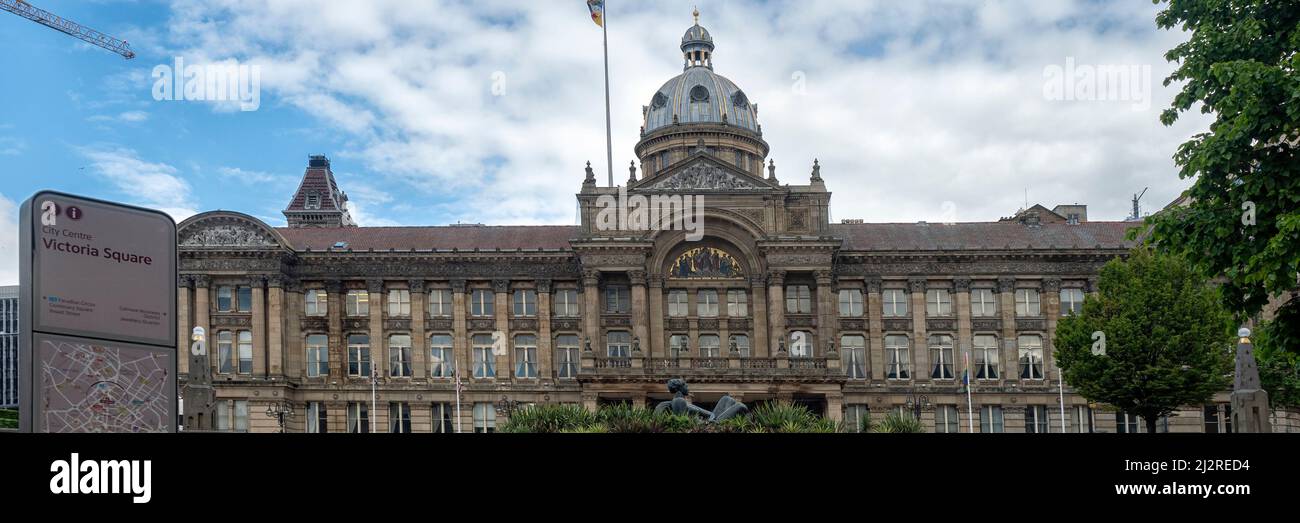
column 8, row 241
column 908, row 104
column 153, row 185
column 249, row 177
column 10, row 146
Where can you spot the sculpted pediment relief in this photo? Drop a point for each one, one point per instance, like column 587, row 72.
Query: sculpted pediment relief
column 226, row 235
column 705, row 176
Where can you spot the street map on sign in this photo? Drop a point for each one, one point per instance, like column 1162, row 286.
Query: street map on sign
column 90, row 387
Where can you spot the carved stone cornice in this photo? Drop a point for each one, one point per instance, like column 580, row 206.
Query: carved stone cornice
column 501, row 286
column 637, row 277
column 917, row 285
column 202, row 281
column 458, row 286
column 544, row 286
column 961, row 284
column 416, row 286
column 375, row 286
column 1006, row 284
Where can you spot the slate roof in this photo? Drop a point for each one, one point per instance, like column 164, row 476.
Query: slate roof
column 981, row 236
column 431, row 238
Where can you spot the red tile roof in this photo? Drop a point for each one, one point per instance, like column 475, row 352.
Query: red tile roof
column 977, row 236
column 431, row 238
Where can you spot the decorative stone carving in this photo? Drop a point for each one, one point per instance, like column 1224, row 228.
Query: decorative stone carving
column 416, row 286
column 226, row 235
column 704, row 176
column 356, row 324
column 315, row 324
column 202, row 281
column 590, row 277
column 501, row 286
column 439, row 324
column 257, row 282
column 544, row 286
column 184, row 281
column 565, row 324
column 480, row 324
column 873, row 284
column 824, row 277
column 523, row 324
column 961, row 284
column 276, row 281
column 1051, row 284
column 1006, row 284
column 986, row 324
column 738, row 324
column 797, row 220
column 397, row 324
column 232, row 321
column 898, row 324
column 678, row 324
column 458, row 286
column 636, row 277
column 941, row 324
column 852, row 325
column 375, row 287
column 709, row 325
column 776, row 278
column 917, row 285
column 1031, row 325
column 616, row 321
column 801, row 320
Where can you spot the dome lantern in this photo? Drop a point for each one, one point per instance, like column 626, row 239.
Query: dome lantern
column 697, row 45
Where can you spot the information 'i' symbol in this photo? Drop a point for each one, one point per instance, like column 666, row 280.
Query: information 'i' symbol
column 74, row 213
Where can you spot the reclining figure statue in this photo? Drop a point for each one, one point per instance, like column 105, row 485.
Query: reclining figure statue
column 727, row 407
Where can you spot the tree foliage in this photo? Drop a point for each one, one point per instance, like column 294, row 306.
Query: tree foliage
column 1279, row 368
column 1167, row 338
column 1243, row 223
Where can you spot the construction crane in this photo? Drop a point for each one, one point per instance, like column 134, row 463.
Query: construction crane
column 58, row 23
column 1137, row 209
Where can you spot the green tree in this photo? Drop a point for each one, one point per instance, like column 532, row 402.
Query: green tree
column 1279, row 368
column 1167, row 338
column 1241, row 64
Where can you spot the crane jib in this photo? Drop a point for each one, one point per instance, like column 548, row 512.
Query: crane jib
column 58, row 23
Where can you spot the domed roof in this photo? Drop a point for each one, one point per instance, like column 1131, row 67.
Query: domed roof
column 700, row 95
column 697, row 34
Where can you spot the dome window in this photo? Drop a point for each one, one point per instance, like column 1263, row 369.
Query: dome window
column 659, row 101
column 740, row 100
column 699, row 94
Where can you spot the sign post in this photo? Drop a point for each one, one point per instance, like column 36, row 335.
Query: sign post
column 98, row 346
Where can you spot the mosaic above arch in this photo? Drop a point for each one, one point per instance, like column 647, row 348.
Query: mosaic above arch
column 706, row 263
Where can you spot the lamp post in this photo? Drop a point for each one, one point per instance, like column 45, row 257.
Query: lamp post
column 916, row 404
column 281, row 411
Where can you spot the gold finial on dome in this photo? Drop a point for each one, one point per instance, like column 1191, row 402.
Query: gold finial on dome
column 697, row 15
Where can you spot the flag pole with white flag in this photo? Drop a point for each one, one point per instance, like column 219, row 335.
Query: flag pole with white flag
column 458, row 393
column 598, row 15
column 970, row 403
column 1060, row 387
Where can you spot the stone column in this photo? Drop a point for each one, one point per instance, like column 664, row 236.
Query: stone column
column 460, row 330
column 640, row 308
column 419, row 341
column 378, row 343
column 776, row 310
column 876, row 324
column 656, row 311
column 1010, row 355
column 591, row 308
column 184, row 327
column 1051, row 302
column 827, row 325
column 203, row 317
column 258, row 284
column 275, row 326
column 295, row 360
column 503, row 305
column 965, row 340
column 758, row 347
column 337, row 350
column 545, row 354
column 835, row 407
column 920, row 345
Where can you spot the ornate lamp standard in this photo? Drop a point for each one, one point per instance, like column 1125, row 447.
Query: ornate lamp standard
column 281, row 411
column 916, row 404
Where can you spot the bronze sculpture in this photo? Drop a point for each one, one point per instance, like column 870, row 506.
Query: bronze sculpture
column 726, row 409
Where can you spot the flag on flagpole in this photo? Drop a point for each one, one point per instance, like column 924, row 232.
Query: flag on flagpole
column 597, row 11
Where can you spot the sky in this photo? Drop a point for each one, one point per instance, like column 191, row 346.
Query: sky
column 438, row 111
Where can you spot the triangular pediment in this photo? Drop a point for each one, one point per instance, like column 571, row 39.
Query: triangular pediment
column 702, row 172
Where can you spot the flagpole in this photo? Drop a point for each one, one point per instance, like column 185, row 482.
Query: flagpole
column 1060, row 384
column 609, row 128
column 374, row 404
column 970, row 403
column 459, row 423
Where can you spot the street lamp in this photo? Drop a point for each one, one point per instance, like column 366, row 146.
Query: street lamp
column 916, row 404
column 281, row 411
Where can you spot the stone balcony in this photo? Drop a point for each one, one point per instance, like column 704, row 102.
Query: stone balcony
column 733, row 368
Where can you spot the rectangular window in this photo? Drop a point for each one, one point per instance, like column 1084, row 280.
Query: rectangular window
column 241, row 416
column 938, row 303
column 399, row 303
column 440, row 303
column 707, row 302
column 225, row 299
column 1211, row 419
column 318, row 356
column 244, row 299
column 317, row 418
column 894, row 302
column 525, row 303
column 991, row 419
column 737, row 303
column 618, row 300
column 678, row 305
column 525, row 356
column 741, row 343
column 485, row 418
column 566, row 303
column 941, row 357
column 567, row 361
column 1036, row 421
column 1031, row 358
column 1126, row 423
column 225, row 352
column 678, row 345
column 223, row 415
column 619, row 345
column 481, row 303
column 399, row 356
column 245, row 352
column 442, row 358
column 946, row 419
column 798, row 299
column 358, row 418
column 443, row 418
column 399, row 418
column 1084, row 420
column 983, row 303
column 850, row 303
column 854, row 349
column 709, row 346
column 986, row 357
column 857, row 418
column 484, row 361
column 1027, row 303
column 1071, row 301
column 317, row 302
column 358, row 303
column 359, row 355
column 898, row 357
